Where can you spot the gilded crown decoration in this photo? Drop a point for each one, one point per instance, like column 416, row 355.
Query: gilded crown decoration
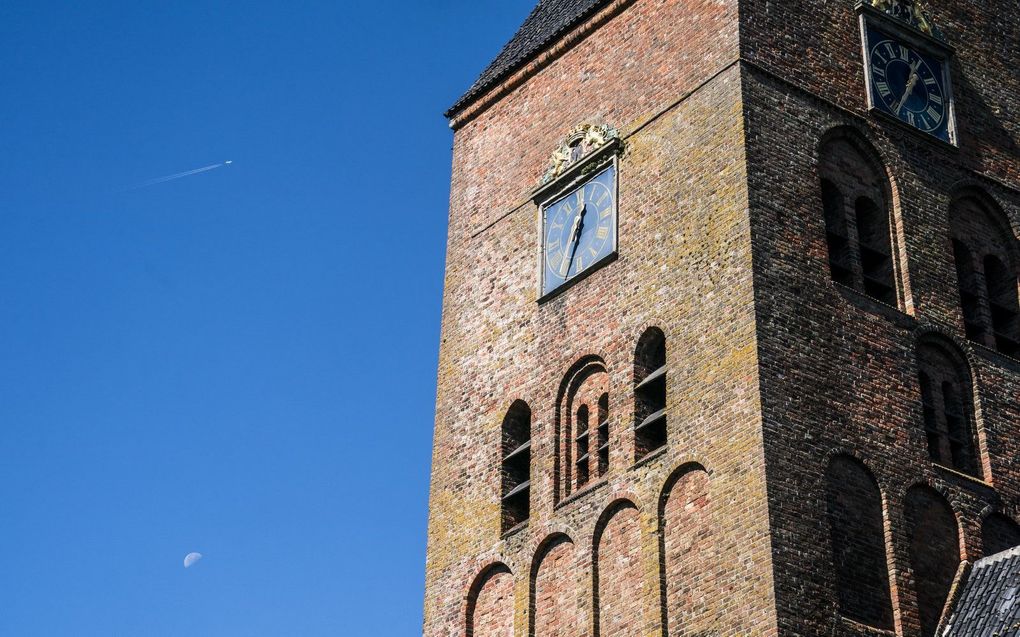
column 579, row 143
column 911, row 12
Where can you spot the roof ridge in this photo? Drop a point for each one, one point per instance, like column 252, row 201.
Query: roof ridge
column 549, row 20
column 998, row 557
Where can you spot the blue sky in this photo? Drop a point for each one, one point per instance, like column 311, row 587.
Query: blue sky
column 239, row 362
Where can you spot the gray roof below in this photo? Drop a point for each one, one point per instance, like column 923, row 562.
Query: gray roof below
column 548, row 21
column 989, row 604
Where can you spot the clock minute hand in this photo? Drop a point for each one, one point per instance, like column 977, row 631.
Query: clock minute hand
column 574, row 236
column 911, row 83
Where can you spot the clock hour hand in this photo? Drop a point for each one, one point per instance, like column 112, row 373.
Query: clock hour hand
column 911, row 83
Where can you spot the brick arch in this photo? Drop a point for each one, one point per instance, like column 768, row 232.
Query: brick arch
column 974, row 191
column 855, row 511
column 577, row 459
column 687, row 552
column 999, row 532
column 553, row 592
column 986, row 254
column 490, row 603
column 618, row 583
column 950, row 404
column 863, row 229
column 858, row 139
column 934, row 544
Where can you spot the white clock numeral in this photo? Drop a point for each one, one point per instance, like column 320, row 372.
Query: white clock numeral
column 883, row 88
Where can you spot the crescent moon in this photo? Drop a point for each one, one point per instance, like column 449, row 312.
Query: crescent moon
column 191, row 558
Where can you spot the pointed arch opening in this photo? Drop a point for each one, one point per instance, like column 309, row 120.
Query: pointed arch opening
column 582, row 426
column 934, row 536
column 857, row 537
column 618, row 580
column 987, row 259
column 947, row 402
column 490, row 606
column 553, row 590
column 861, row 231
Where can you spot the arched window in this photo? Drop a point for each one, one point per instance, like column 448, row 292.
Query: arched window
column 856, row 195
column 650, row 393
column 856, row 529
column 947, row 403
column 516, row 473
column 934, row 552
column 987, row 267
column 582, row 420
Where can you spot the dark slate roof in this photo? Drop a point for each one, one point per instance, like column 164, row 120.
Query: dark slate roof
column 989, row 604
column 548, row 21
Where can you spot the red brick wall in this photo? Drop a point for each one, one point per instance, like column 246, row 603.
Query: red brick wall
column 689, row 555
column 840, row 372
column 491, row 607
column 556, row 593
column 621, row 581
column 664, row 72
column 773, row 368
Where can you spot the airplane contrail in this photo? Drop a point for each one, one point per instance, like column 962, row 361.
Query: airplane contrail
column 186, row 173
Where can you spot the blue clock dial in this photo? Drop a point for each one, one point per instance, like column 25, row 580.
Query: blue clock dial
column 908, row 84
column 579, row 230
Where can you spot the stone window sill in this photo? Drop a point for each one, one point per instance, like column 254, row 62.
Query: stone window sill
column 514, row 530
column 577, row 495
column 650, row 457
column 864, row 302
column 857, row 628
column 974, row 480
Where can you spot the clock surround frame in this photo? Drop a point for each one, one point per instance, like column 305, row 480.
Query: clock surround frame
column 576, row 176
column 920, row 41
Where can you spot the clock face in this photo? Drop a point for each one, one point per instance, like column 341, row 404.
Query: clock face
column 909, row 84
column 579, row 229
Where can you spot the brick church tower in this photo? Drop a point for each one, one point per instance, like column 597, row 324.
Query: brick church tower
column 731, row 331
